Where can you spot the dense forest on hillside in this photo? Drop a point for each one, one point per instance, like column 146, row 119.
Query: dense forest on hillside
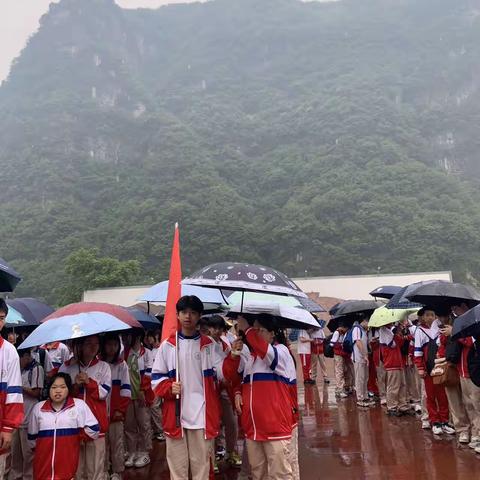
column 333, row 138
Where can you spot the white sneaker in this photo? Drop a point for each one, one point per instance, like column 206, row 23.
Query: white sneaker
column 474, row 442
column 383, row 401
column 115, row 476
column 417, row 408
column 426, row 425
column 129, row 462
column 342, row 395
column 142, row 461
column 477, row 449
column 448, row 429
column 437, row 429
column 464, row 437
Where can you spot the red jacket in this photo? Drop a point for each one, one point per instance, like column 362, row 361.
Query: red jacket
column 392, row 355
column 462, row 365
column 164, row 374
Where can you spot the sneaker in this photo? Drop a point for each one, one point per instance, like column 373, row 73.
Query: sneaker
column 418, row 409
column 448, row 429
column 383, row 401
column 160, row 437
column 342, row 395
column 477, row 449
column 220, row 453
column 426, row 425
column 361, row 403
column 326, row 380
column 437, row 429
column 234, row 460
column 115, row 476
column 464, row 437
column 142, row 460
column 130, row 461
column 474, row 442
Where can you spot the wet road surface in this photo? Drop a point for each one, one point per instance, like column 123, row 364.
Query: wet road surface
column 339, row 441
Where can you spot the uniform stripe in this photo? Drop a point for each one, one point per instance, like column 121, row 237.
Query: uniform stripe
column 265, row 377
column 160, row 375
column 274, row 363
column 106, row 387
column 14, row 389
column 60, row 432
column 209, row 372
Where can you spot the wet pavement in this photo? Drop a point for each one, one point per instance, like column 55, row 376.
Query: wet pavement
column 339, row 441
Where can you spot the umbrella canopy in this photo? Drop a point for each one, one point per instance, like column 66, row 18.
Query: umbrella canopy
column 148, row 321
column 14, row 318
column 94, row 310
column 158, row 293
column 33, row 311
column 400, row 300
column 74, row 326
column 387, row 291
column 444, row 294
column 384, row 316
column 285, row 315
column 244, row 277
column 9, row 278
column 467, row 325
column 350, row 307
column 255, row 297
column 336, row 322
column 334, row 309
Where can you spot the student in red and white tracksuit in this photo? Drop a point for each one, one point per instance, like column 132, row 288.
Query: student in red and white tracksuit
column 57, row 354
column 304, row 349
column 341, row 362
column 390, row 345
column 267, row 409
column 437, row 403
column 318, row 337
column 138, row 428
column 118, row 402
column 55, row 430
column 189, row 445
column 293, row 449
column 92, row 382
column 11, row 399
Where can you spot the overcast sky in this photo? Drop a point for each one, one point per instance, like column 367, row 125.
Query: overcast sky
column 19, row 19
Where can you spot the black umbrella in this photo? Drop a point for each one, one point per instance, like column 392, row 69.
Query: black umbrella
column 387, row 291
column 334, row 309
column 400, row 300
column 467, row 325
column 444, row 294
column 32, row 310
column 356, row 306
column 344, row 321
column 147, row 320
column 244, row 277
column 9, row 278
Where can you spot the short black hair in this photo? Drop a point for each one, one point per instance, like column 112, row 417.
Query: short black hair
column 106, row 338
column 3, row 306
column 24, row 351
column 66, row 377
column 190, row 301
column 216, row 321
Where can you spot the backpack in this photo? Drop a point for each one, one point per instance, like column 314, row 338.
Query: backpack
column 327, row 347
column 453, row 351
column 432, row 349
column 45, row 392
column 473, row 362
column 293, row 335
column 347, row 345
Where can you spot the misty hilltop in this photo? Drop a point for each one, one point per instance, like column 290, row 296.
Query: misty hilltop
column 333, row 138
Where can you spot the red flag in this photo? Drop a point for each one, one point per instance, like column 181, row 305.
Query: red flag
column 170, row 322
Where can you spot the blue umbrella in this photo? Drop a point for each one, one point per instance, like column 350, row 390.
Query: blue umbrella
column 147, row 320
column 14, row 318
column 158, row 293
column 74, row 326
column 33, row 311
column 9, row 278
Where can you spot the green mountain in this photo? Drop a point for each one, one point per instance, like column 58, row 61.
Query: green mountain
column 329, row 137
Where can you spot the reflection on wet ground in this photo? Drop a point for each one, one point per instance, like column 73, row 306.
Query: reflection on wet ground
column 337, row 440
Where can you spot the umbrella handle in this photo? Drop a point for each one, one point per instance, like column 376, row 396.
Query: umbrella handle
column 177, row 411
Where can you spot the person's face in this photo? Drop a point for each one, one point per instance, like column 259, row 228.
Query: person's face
column 25, row 360
column 264, row 333
column 111, row 348
column 12, row 338
column 3, row 317
column 429, row 317
column 215, row 332
column 188, row 319
column 90, row 348
column 149, row 340
column 458, row 310
column 58, row 391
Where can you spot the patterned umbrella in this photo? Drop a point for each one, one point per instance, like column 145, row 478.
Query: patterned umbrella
column 9, row 278
column 244, row 277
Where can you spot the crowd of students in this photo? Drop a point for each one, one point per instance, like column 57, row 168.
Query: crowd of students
column 90, row 407
column 411, row 367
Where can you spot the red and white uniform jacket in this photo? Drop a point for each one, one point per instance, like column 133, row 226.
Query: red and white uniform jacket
column 318, row 338
column 212, row 366
column 462, row 365
column 292, row 376
column 11, row 398
column 56, row 355
column 96, row 391
column 121, row 393
column 337, row 343
column 390, row 345
column 267, row 372
column 145, row 363
column 55, row 436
